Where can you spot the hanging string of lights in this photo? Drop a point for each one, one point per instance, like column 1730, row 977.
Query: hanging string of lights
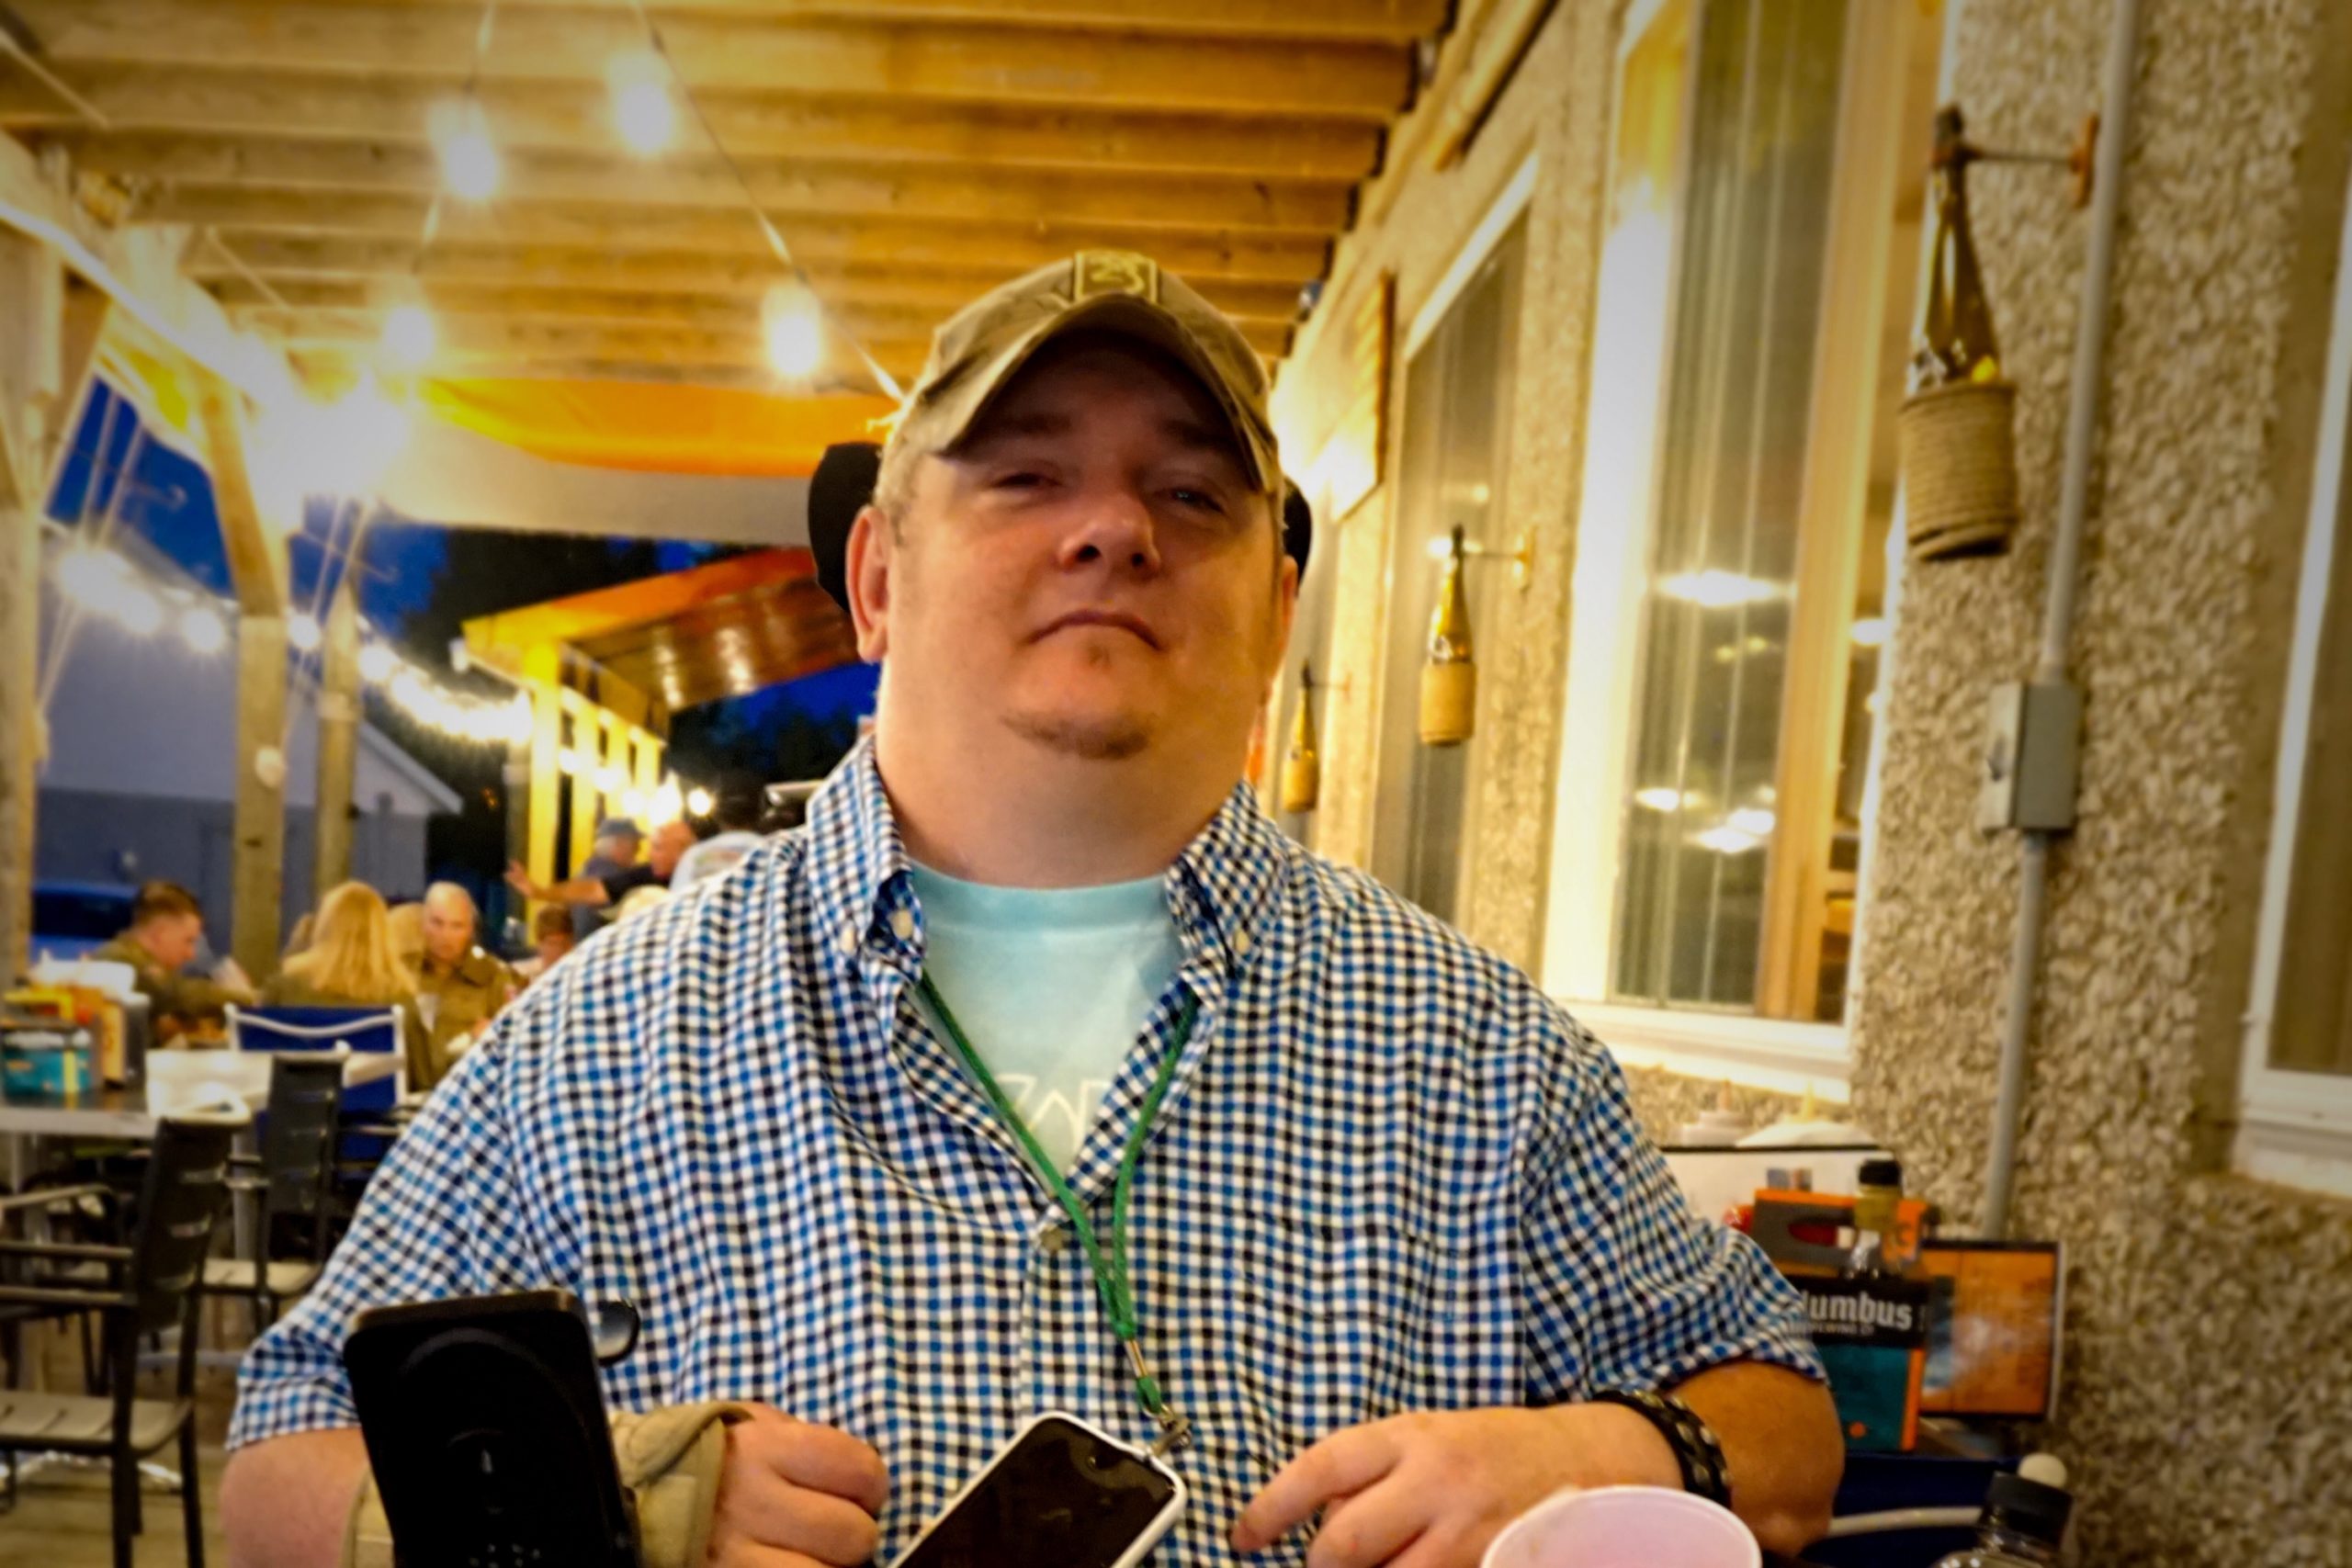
column 645, row 84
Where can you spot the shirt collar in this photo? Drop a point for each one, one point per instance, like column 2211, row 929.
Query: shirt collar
column 1221, row 887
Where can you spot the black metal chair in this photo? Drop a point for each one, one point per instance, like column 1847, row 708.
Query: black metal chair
column 150, row 1287
column 293, row 1177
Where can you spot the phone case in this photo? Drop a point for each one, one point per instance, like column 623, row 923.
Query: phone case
column 1135, row 1554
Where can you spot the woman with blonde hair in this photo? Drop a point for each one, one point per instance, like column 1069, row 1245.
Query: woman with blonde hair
column 352, row 962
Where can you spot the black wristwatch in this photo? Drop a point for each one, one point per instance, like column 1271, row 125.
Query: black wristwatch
column 1696, row 1450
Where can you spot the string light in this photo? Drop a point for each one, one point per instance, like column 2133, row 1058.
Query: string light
column 470, row 162
column 203, row 630
column 698, row 801
column 795, row 331
column 643, row 111
column 103, row 584
column 667, row 801
column 302, row 631
column 410, row 337
column 375, row 663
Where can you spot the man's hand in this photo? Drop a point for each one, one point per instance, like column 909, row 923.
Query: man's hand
column 518, row 877
column 1431, row 1490
column 794, row 1495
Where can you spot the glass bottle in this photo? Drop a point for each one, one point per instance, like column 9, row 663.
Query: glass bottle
column 2023, row 1526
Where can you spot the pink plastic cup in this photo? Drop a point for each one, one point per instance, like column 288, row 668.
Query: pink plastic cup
column 1625, row 1527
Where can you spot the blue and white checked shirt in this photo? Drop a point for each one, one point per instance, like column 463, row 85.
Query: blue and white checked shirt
column 1390, row 1176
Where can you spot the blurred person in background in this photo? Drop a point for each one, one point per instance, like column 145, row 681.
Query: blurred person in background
column 617, row 848
column 407, row 923
column 350, row 962
column 459, row 987
column 601, row 891
column 166, row 935
column 551, row 940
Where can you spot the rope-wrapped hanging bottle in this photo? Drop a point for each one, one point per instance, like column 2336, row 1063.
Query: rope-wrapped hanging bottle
column 1450, row 679
column 1958, row 427
column 1303, row 764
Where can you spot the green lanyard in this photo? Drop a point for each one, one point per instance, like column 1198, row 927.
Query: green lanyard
column 1111, row 1278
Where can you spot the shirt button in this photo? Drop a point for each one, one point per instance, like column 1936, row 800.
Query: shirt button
column 1056, row 1240
column 848, row 941
column 903, row 922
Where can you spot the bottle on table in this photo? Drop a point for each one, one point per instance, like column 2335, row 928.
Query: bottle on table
column 2023, row 1525
column 1876, row 1208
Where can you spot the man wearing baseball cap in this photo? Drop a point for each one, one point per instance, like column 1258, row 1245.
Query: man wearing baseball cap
column 1037, row 1071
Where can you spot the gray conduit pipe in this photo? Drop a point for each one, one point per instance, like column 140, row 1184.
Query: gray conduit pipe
column 2066, row 571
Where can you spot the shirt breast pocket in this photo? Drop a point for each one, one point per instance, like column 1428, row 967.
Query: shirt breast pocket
column 1330, row 1325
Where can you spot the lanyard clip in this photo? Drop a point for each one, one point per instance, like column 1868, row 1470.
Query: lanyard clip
column 1175, row 1434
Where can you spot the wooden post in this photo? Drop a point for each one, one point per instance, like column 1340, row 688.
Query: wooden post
column 646, row 749
column 541, row 672
column 30, row 298
column 587, row 737
column 256, row 551
column 338, row 741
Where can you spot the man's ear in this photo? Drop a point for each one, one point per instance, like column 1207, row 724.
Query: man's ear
column 1285, row 613
column 867, row 563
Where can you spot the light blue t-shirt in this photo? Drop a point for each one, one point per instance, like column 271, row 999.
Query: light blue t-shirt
column 1052, row 986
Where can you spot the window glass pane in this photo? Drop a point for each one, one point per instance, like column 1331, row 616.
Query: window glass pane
column 1457, row 404
column 2312, row 1027
column 1700, row 808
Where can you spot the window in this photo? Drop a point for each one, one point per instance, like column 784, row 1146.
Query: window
column 1458, row 420
column 2295, row 1104
column 1731, row 592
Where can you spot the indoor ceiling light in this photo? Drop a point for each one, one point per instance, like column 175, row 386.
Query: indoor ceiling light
column 410, row 337
column 643, row 111
column 1716, row 589
column 1658, row 799
column 1727, row 840
column 460, row 134
column 795, row 332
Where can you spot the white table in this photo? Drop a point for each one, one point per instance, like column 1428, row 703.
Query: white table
column 179, row 1083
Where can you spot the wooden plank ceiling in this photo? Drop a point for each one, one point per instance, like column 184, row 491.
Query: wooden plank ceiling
column 913, row 153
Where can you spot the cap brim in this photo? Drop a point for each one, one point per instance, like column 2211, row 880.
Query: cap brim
column 960, row 406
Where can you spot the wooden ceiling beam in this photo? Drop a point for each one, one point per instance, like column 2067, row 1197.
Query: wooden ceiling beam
column 577, row 117
column 944, row 61
column 891, row 241
column 296, row 307
column 331, row 371
column 783, row 190
column 1380, row 21
column 260, row 300
column 471, row 340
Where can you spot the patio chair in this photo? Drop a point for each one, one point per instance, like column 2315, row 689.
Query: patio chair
column 150, row 1288
column 293, row 1177
column 372, row 1113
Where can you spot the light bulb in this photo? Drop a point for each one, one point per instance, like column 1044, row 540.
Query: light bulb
column 470, row 164
column 643, row 111
column 410, row 337
column 698, row 801
column 795, row 332
column 203, row 630
column 302, row 631
column 377, row 661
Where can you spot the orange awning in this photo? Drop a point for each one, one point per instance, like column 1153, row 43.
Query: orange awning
column 657, row 426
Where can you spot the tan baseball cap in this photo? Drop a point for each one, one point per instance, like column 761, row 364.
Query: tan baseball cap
column 983, row 345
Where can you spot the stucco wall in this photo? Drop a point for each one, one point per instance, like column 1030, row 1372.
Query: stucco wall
column 2208, row 1395
column 2209, row 1381
column 1556, row 107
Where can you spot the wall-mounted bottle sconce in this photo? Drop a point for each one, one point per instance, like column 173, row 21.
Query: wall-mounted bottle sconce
column 1450, row 679
column 1957, row 426
column 1302, row 783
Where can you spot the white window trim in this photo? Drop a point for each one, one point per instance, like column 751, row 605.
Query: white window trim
column 1500, row 217
column 1761, row 1052
column 2297, row 1127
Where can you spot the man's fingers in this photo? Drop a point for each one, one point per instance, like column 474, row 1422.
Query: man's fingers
column 1371, row 1528
column 824, row 1458
column 1343, row 1462
column 783, row 1516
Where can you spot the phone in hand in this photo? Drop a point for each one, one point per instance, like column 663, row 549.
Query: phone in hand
column 1061, row 1492
column 486, row 1430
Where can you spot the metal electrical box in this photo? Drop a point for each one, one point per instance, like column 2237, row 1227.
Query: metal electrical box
column 2033, row 749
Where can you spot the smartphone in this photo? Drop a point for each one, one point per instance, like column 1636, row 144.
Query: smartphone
column 485, row 1427
column 1063, row 1492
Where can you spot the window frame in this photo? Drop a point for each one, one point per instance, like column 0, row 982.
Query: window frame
column 2295, row 1125
column 1786, row 1054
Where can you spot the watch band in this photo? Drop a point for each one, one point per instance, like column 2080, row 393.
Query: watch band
column 1697, row 1452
